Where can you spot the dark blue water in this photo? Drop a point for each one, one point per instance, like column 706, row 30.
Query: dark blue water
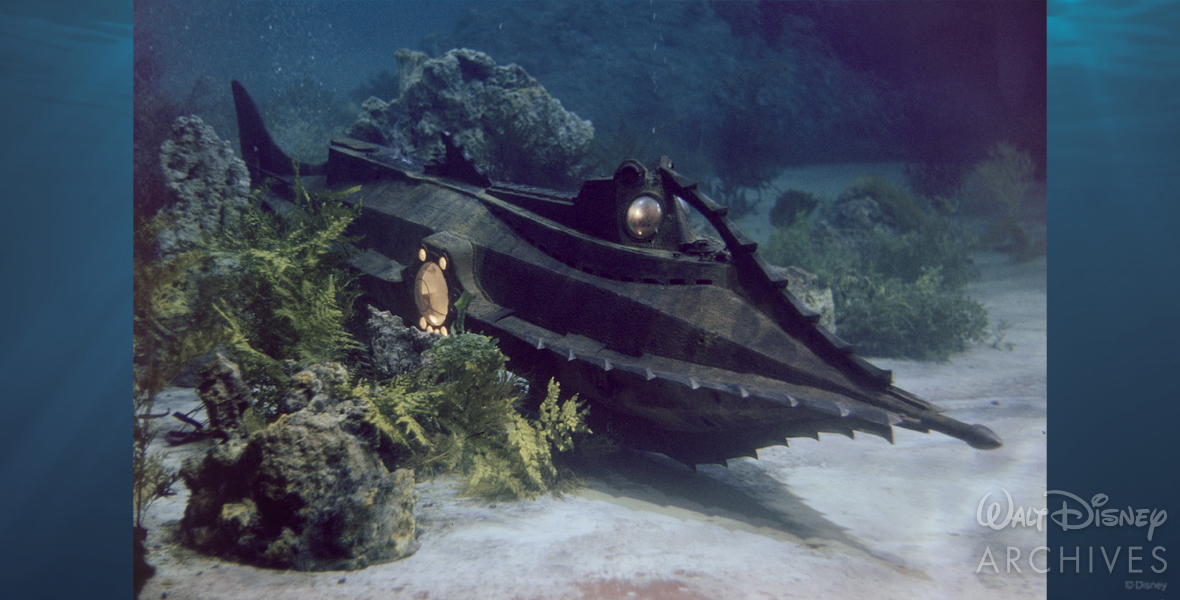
column 274, row 44
column 1114, row 205
column 65, row 304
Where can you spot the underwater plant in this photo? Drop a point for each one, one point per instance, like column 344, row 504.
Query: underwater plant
column 458, row 414
column 791, row 205
column 936, row 243
column 287, row 293
column 939, row 184
column 897, row 295
column 923, row 320
column 1000, row 182
column 163, row 342
column 895, row 202
column 1004, row 177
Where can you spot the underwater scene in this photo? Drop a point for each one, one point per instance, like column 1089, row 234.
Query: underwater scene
column 593, row 299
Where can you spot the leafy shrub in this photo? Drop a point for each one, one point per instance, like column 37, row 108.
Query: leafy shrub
column 163, row 343
column 897, row 295
column 796, row 245
column 1000, row 182
column 789, row 205
column 939, row 183
column 894, row 201
column 1003, row 177
column 458, row 414
column 284, row 292
column 923, row 320
column 934, row 244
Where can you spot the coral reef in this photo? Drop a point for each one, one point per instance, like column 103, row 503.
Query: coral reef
column 396, row 349
column 211, row 184
column 874, row 201
column 508, row 123
column 310, row 493
column 313, row 387
column 225, row 397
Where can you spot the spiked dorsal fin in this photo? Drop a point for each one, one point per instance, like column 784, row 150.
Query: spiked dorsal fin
column 262, row 155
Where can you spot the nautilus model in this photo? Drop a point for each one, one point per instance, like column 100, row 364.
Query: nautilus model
column 636, row 292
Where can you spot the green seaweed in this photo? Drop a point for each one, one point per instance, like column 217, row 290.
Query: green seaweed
column 458, row 414
column 285, row 293
column 923, row 320
column 1001, row 181
column 895, row 202
column 163, row 342
column 897, row 295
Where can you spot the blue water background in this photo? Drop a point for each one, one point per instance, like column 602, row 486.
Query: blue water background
column 65, row 306
column 1114, row 301
column 272, row 45
column 65, row 360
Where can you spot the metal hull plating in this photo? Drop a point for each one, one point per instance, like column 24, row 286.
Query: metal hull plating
column 682, row 347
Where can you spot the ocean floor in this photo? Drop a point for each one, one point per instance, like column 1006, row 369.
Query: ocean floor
column 837, row 518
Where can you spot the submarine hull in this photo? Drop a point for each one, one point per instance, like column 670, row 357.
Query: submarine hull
column 684, row 344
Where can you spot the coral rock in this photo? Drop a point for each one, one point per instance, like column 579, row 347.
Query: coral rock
column 806, row 287
column 313, row 387
column 211, row 183
column 506, row 121
column 397, row 349
column 308, row 493
column 225, row 395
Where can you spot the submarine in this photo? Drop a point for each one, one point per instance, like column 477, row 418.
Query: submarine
column 637, row 292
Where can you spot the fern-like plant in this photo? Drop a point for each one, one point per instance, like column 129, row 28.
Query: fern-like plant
column 286, row 293
column 164, row 341
column 459, row 414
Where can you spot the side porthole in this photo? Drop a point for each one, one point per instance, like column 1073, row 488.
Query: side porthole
column 643, row 217
column 430, row 287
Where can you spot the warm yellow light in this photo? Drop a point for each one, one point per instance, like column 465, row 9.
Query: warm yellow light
column 431, row 295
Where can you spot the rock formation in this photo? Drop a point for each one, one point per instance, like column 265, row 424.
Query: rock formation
column 396, row 349
column 310, row 492
column 211, row 184
column 503, row 118
column 225, row 396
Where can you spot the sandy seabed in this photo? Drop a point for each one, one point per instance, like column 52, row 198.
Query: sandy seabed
column 838, row 518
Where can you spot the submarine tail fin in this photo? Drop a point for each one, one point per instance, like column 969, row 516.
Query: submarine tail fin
column 262, row 155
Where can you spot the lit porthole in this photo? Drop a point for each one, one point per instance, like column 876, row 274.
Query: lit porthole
column 431, row 295
column 643, row 217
